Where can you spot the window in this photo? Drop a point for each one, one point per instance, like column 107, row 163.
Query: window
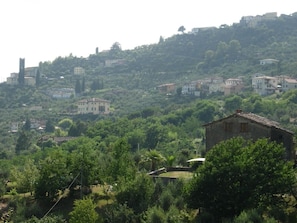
column 228, row 126
column 244, row 127
column 102, row 108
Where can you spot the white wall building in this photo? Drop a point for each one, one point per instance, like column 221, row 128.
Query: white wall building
column 93, row 106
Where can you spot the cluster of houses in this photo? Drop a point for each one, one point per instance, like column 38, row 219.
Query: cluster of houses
column 266, row 85
column 261, row 84
column 205, row 87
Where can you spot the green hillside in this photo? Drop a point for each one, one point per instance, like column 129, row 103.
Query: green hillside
column 105, row 158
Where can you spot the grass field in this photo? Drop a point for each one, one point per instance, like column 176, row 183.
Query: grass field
column 177, row 174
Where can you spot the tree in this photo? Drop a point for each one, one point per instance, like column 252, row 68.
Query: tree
column 154, row 157
column 240, row 175
column 83, row 211
column 49, row 126
column 83, row 85
column 181, row 29
column 23, row 142
column 27, row 125
column 65, row 123
column 116, row 47
column 26, row 178
column 77, row 87
column 136, row 193
column 233, row 103
column 37, row 78
column 77, row 129
column 54, row 176
column 161, row 40
column 121, row 165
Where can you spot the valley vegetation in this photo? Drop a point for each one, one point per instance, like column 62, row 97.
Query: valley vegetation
column 98, row 173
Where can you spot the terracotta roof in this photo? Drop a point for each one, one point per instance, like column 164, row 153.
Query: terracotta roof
column 256, row 118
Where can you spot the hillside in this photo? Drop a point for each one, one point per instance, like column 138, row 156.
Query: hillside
column 53, row 154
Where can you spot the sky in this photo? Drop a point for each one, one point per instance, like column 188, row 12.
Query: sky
column 42, row 30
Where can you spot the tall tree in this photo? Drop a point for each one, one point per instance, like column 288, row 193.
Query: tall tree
column 77, row 87
column 49, row 126
column 83, row 85
column 37, row 78
column 122, row 165
column 27, row 125
column 23, row 142
column 241, row 175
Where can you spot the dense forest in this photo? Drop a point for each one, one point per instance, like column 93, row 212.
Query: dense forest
column 94, row 168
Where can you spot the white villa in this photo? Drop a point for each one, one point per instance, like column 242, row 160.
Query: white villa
column 93, row 106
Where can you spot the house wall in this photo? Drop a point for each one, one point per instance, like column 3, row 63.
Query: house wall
column 220, row 131
column 286, row 140
column 240, row 127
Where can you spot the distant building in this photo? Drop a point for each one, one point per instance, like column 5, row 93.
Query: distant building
column 78, row 71
column 60, row 93
column 266, row 85
column 93, row 106
column 196, row 30
column 253, row 21
column 115, row 62
column 192, row 88
column 268, row 61
column 166, row 88
column 26, row 76
column 233, row 86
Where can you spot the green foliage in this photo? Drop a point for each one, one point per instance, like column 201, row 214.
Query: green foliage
column 65, row 123
column 24, row 142
column 155, row 215
column 205, row 111
column 233, row 103
column 47, row 219
column 25, row 178
column 84, row 160
column 121, row 166
column 136, row 193
column 119, row 213
column 27, row 125
column 77, row 129
column 53, row 176
column 49, row 126
column 252, row 216
column 83, row 211
column 154, row 158
column 240, row 175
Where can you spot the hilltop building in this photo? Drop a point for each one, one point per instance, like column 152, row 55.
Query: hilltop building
column 26, row 75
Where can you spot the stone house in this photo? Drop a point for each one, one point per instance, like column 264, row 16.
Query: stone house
column 251, row 127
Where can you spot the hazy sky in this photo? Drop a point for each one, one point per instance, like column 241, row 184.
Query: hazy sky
column 42, row 30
